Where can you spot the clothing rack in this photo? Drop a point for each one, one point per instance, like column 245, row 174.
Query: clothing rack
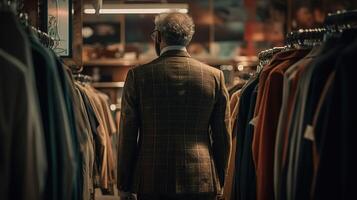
column 335, row 22
column 17, row 7
column 45, row 39
column 297, row 94
column 267, row 54
column 341, row 17
column 305, row 37
column 341, row 20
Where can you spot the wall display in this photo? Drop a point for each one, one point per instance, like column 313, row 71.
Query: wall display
column 59, row 25
column 101, row 33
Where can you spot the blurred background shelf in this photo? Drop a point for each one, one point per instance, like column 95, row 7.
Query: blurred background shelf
column 110, row 62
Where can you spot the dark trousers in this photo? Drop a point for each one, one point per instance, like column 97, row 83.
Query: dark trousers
column 177, row 197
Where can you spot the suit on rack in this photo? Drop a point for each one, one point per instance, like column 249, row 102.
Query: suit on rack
column 165, row 148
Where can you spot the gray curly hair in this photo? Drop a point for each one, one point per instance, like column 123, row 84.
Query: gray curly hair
column 175, row 28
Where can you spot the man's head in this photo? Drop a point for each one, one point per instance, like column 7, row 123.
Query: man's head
column 173, row 29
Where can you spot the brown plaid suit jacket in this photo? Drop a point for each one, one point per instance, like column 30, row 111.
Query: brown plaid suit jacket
column 174, row 129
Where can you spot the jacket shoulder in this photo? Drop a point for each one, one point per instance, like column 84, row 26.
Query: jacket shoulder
column 212, row 70
column 142, row 67
column 193, row 62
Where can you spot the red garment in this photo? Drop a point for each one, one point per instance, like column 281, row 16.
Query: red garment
column 269, row 102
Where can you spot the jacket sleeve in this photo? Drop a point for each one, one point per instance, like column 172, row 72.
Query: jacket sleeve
column 128, row 134
column 221, row 131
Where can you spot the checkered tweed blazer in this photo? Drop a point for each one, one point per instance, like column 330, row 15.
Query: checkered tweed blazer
column 174, row 129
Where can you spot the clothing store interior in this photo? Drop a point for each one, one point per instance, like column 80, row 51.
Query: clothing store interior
column 63, row 73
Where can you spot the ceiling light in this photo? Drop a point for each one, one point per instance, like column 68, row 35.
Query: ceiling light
column 89, row 11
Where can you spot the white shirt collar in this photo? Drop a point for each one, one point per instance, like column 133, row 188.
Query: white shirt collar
column 173, row 47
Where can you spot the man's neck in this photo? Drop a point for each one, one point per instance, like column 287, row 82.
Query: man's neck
column 172, row 47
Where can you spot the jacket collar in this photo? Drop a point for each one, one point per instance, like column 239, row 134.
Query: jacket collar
column 175, row 53
column 173, row 47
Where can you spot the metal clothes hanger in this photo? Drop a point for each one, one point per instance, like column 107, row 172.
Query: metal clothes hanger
column 339, row 22
column 305, row 38
column 266, row 55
